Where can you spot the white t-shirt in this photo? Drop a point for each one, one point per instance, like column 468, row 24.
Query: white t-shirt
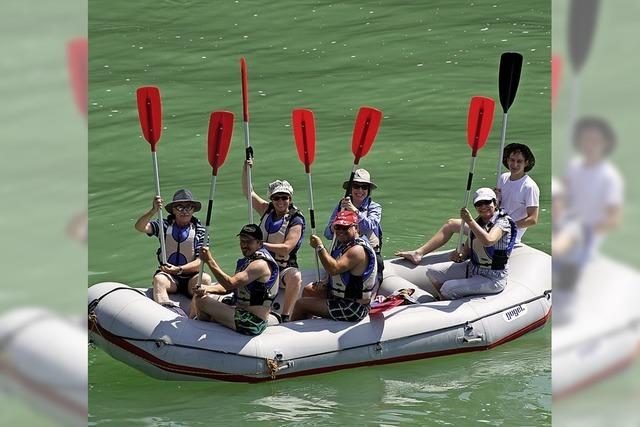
column 591, row 190
column 517, row 196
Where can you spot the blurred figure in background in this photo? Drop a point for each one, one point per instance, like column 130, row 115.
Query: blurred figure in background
column 594, row 187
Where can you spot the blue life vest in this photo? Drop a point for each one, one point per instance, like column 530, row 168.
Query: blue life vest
column 489, row 256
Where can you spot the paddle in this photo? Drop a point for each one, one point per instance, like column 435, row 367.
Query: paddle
column 582, row 21
column 77, row 59
column 218, row 143
column 304, row 134
column 508, row 80
column 479, row 122
column 364, row 133
column 245, row 119
column 150, row 115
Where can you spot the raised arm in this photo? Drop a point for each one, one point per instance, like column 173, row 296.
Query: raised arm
column 258, row 203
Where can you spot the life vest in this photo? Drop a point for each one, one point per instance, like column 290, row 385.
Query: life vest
column 180, row 242
column 279, row 236
column 489, row 256
column 258, row 293
column 349, row 286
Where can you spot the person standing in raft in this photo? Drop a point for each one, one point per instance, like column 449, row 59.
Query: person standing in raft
column 352, row 270
column 255, row 285
column 518, row 195
column 282, row 224
column 184, row 237
column 481, row 268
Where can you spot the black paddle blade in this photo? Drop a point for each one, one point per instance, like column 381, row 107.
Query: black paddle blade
column 582, row 23
column 509, row 78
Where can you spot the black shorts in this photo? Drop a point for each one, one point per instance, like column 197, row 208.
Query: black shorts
column 182, row 282
column 344, row 310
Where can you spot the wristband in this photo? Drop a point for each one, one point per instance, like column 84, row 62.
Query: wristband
column 180, row 270
column 320, row 248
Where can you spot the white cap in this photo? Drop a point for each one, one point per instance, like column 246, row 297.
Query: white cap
column 280, row 187
column 484, row 193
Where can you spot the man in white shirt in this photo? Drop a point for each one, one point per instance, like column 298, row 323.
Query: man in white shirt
column 517, row 192
column 594, row 187
column 518, row 196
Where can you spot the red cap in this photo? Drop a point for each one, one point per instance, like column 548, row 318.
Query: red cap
column 346, row 218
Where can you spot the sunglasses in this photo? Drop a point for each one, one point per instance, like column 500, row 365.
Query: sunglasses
column 278, row 198
column 339, row 227
column 184, row 208
column 356, row 186
column 483, row 203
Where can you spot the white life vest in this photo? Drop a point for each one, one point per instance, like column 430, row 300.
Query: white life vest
column 291, row 259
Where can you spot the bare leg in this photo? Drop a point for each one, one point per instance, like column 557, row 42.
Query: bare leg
column 219, row 312
column 162, row 286
column 306, row 307
column 314, row 291
column 293, row 283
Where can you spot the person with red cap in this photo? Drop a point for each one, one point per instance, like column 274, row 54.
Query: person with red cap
column 352, row 270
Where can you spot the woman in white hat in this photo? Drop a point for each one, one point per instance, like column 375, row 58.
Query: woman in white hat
column 359, row 201
column 282, row 226
column 481, row 267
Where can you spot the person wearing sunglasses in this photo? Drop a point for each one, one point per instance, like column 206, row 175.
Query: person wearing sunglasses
column 518, row 195
column 481, row 267
column 352, row 269
column 359, row 202
column 184, row 237
column 282, row 225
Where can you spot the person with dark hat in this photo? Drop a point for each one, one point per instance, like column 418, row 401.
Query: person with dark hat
column 518, row 196
column 184, row 237
column 282, row 225
column 594, row 186
column 254, row 284
column 352, row 269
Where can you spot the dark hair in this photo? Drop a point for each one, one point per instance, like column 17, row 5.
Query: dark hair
column 515, row 147
column 598, row 124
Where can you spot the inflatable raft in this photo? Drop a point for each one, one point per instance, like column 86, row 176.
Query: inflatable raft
column 132, row 328
column 600, row 330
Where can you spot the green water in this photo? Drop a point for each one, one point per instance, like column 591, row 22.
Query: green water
column 419, row 63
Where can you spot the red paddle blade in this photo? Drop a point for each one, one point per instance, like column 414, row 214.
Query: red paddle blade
column 479, row 121
column 365, row 131
column 150, row 114
column 556, row 76
column 77, row 58
column 304, row 133
column 245, row 89
column 219, row 138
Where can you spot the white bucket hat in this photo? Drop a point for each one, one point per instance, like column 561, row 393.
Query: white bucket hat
column 280, row 187
column 484, row 193
column 363, row 176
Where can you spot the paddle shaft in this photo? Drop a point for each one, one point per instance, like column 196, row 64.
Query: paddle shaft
column 313, row 222
column 574, row 99
column 212, row 191
column 503, row 136
column 466, row 199
column 248, row 156
column 163, row 250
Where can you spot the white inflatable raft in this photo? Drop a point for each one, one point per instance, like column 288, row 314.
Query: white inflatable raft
column 132, row 328
column 600, row 332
